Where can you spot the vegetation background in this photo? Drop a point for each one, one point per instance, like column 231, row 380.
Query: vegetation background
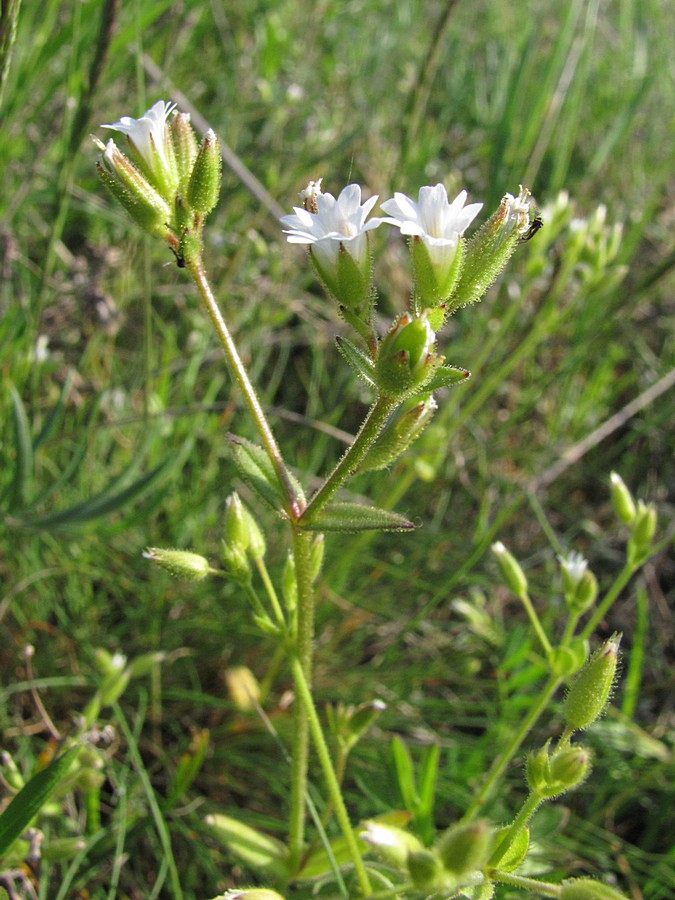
column 115, row 404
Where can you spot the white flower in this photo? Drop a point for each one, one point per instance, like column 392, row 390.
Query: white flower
column 150, row 140
column 435, row 220
column 335, row 223
column 573, row 565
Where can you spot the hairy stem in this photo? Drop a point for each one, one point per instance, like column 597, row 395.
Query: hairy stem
column 355, row 454
column 239, row 374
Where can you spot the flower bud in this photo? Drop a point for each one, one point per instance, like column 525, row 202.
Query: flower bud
column 236, row 563
column 398, row 434
column 516, row 852
column 181, row 563
column 491, row 248
column 622, row 498
column 243, row 688
column 406, row 359
column 513, row 575
column 236, row 532
column 393, row 845
column 549, row 775
column 642, row 532
column 590, row 690
column 588, row 889
column 565, row 661
column 185, row 146
column 425, row 869
column 132, row 190
column 465, row 847
column 204, row 186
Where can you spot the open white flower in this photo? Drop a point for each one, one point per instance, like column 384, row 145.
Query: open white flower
column 335, row 223
column 150, row 140
column 436, row 221
column 573, row 566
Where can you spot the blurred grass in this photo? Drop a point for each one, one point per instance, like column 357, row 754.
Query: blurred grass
column 116, row 377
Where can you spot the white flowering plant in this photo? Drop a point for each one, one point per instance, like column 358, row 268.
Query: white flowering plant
column 169, row 182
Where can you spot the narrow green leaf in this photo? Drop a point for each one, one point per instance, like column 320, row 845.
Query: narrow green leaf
column 428, row 774
column 446, row 376
column 24, row 463
column 32, row 797
column 255, row 468
column 353, row 517
column 101, row 505
column 359, row 361
column 405, row 774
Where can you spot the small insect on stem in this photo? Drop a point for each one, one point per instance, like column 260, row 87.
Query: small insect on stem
column 535, row 225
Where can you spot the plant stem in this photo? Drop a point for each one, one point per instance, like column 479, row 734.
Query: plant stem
column 355, row 454
column 505, row 757
column 529, row 884
column 341, row 814
column 534, row 622
column 520, row 821
column 239, row 374
column 302, row 655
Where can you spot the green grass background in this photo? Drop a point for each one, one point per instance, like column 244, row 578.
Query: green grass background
column 115, row 406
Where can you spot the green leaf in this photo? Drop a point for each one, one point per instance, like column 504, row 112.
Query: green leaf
column 517, row 850
column 356, row 517
column 24, row 464
column 446, row 376
column 405, row 774
column 98, row 506
column 255, row 468
column 359, row 361
column 260, row 851
column 32, row 797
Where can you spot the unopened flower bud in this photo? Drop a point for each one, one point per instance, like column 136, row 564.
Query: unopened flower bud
column 406, row 358
column 132, row 190
column 465, row 847
column 236, row 532
column 392, row 844
column 398, row 434
column 622, row 498
column 490, row 249
column 590, row 690
column 642, row 532
column 204, row 186
column 185, row 146
column 236, row 563
column 425, row 869
column 588, row 889
column 181, row 563
column 549, row 775
column 243, row 688
column 513, row 575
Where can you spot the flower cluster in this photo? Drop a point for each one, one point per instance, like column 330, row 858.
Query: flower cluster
column 168, row 183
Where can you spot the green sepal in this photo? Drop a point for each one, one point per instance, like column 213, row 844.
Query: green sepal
column 255, row 468
column 565, row 661
column 204, row 185
column 433, row 283
column 259, row 851
column 33, row 796
column 353, row 517
column 353, row 284
column 446, row 376
column 517, row 850
column 359, row 361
